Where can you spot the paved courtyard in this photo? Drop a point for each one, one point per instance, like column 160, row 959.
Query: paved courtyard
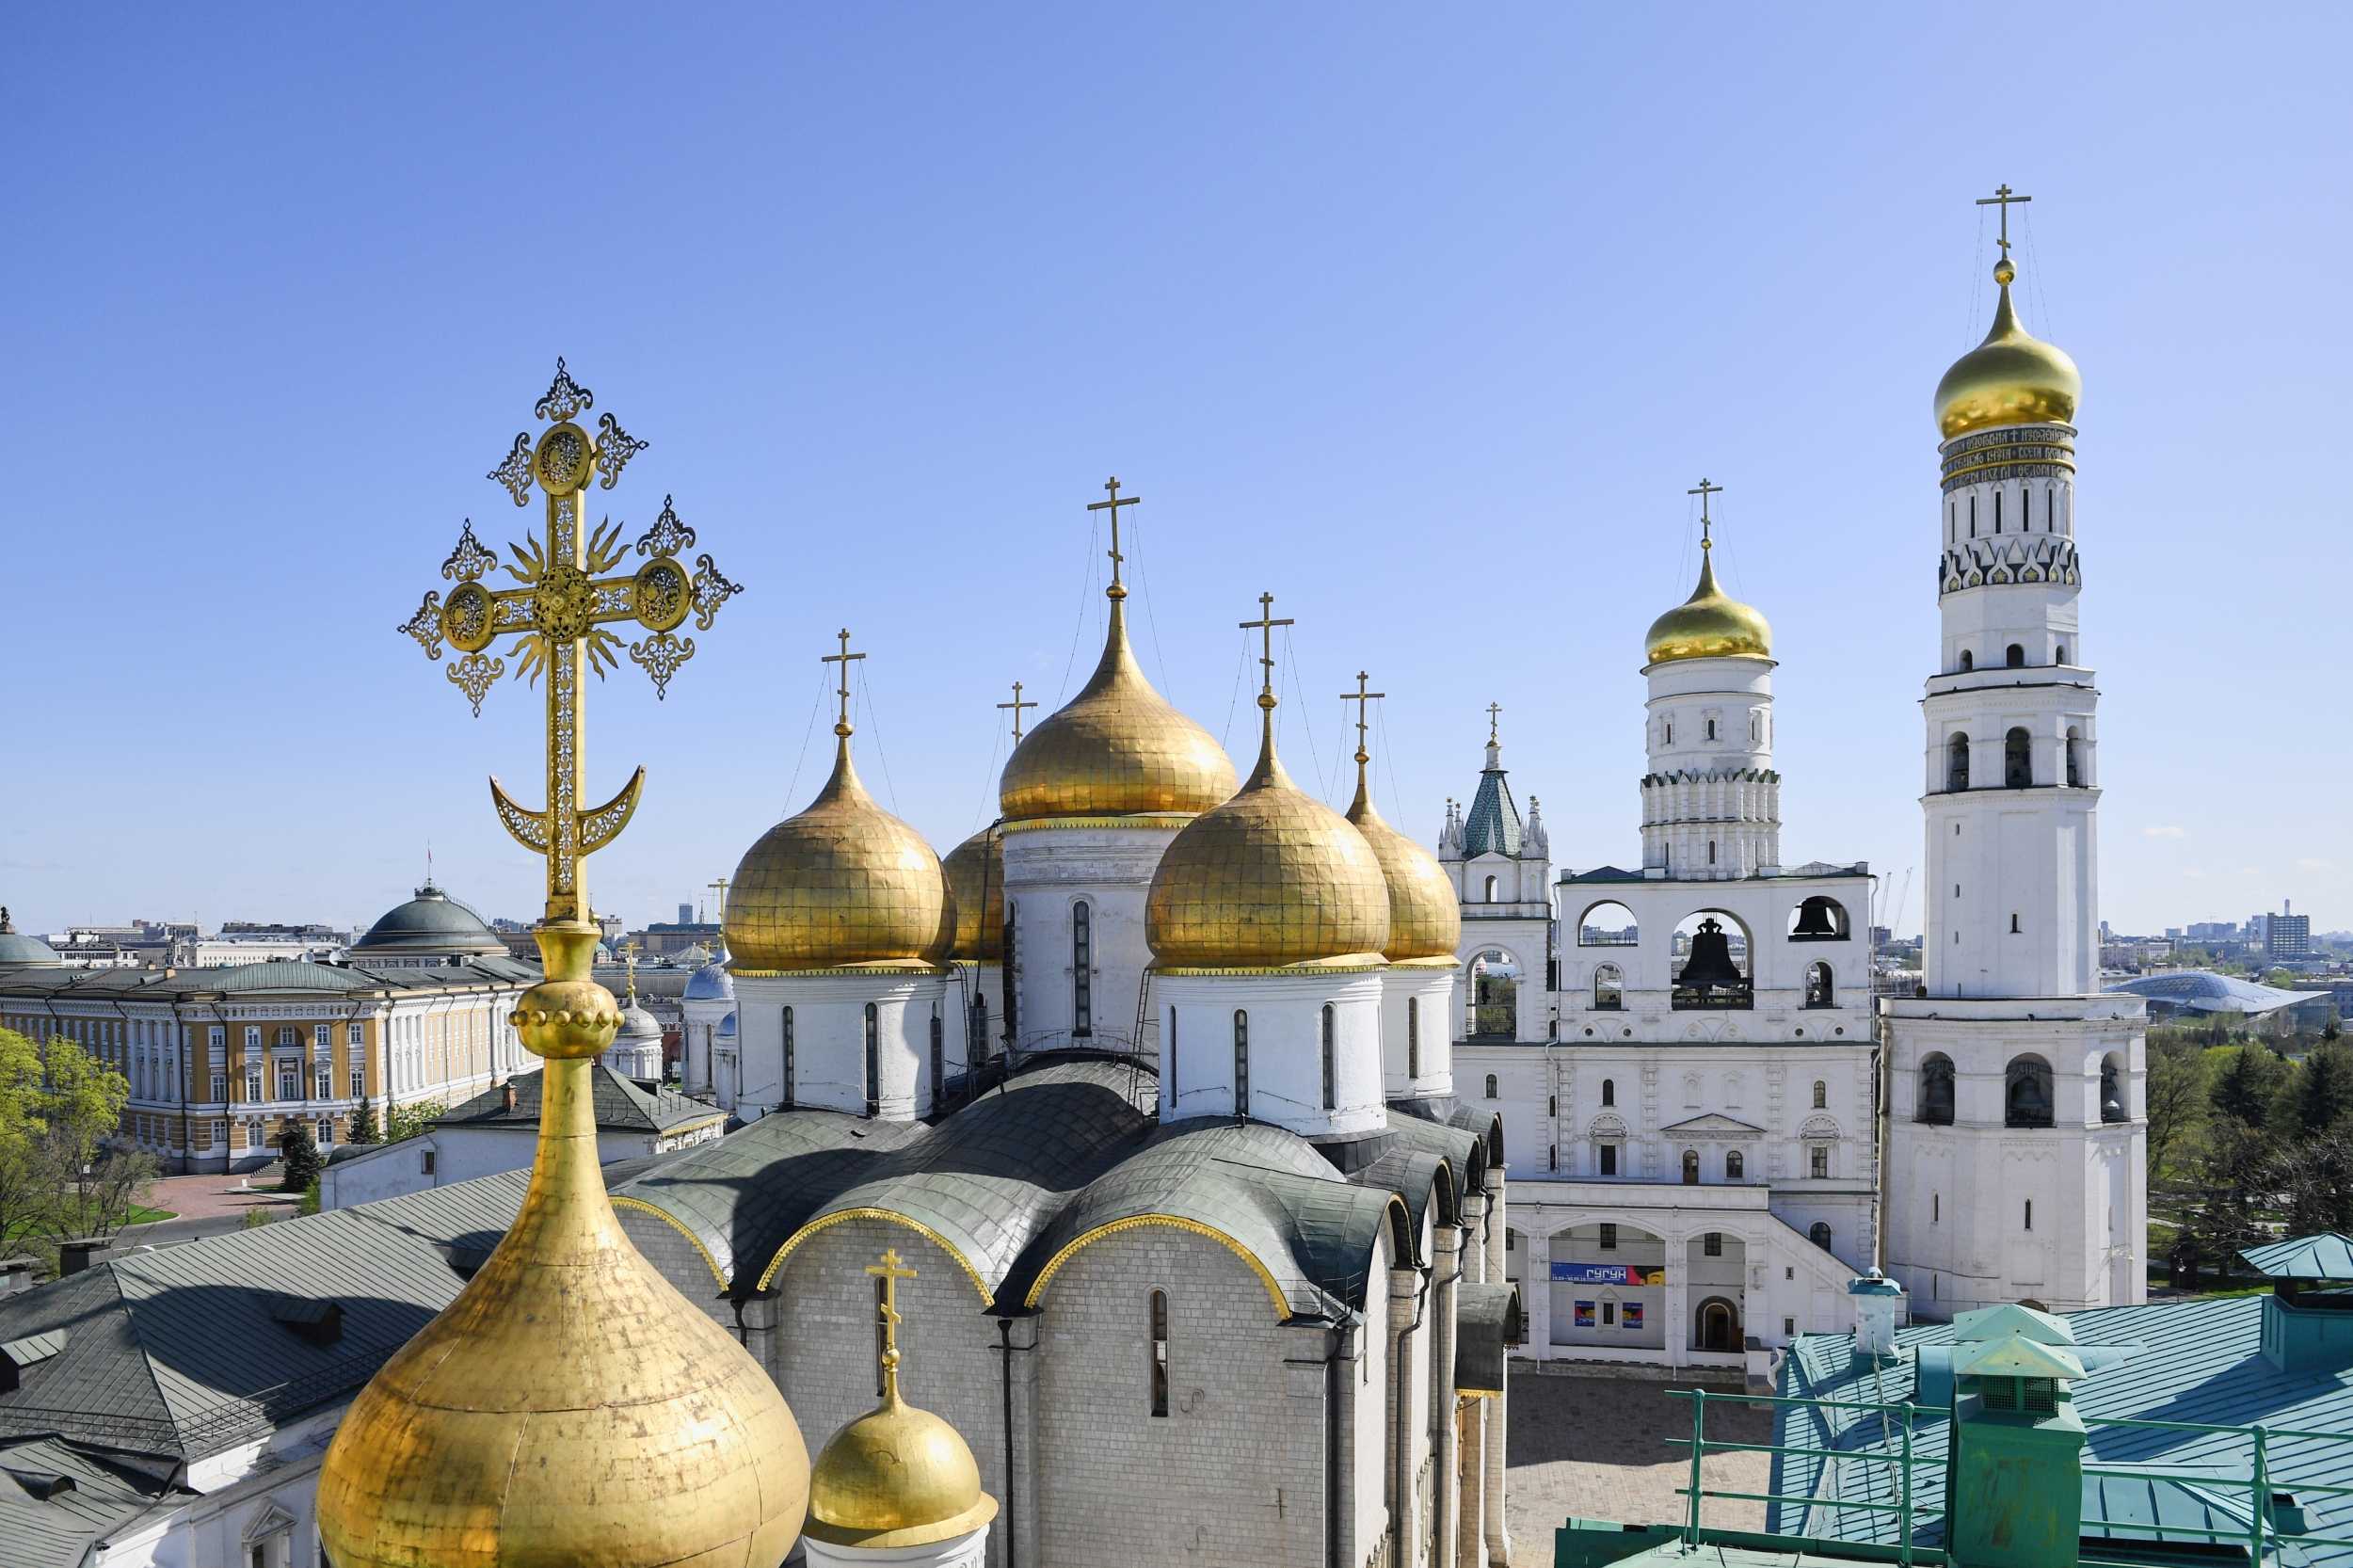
column 1596, row 1447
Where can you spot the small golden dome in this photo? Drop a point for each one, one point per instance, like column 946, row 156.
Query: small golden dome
column 2012, row 377
column 1272, row 877
column 976, row 880
column 1115, row 748
column 1711, row 624
column 1425, row 919
column 843, row 883
column 895, row 1477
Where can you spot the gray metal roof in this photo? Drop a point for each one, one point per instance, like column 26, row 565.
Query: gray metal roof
column 186, row 1351
column 430, row 922
column 289, row 976
column 58, row 1501
column 1486, row 1326
column 621, row 1106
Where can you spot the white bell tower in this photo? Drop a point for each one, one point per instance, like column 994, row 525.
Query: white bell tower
column 2016, row 1140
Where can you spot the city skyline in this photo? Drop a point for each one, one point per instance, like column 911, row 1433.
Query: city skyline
column 1438, row 378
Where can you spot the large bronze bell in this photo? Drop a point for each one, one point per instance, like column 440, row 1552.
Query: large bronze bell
column 1814, row 919
column 1711, row 962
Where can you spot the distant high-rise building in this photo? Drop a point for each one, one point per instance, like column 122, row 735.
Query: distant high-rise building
column 686, row 914
column 2287, row 936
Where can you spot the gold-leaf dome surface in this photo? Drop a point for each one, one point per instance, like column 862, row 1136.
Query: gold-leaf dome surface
column 1711, row 624
column 1270, row 878
column 1117, row 748
column 1425, row 919
column 2012, row 377
column 895, row 1477
column 976, row 881
column 842, row 883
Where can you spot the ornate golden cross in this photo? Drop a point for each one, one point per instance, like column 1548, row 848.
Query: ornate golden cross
column 890, row 1272
column 2003, row 199
column 1265, row 626
column 1361, row 697
column 845, row 659
column 1703, row 489
column 628, row 957
column 1112, row 506
column 1495, row 710
column 718, row 885
column 558, row 618
column 1016, row 705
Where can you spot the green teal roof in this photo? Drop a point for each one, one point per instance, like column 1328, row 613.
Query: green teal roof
column 2015, row 1355
column 2327, row 1255
column 290, row 976
column 2196, row 1361
column 1491, row 826
column 2000, row 1322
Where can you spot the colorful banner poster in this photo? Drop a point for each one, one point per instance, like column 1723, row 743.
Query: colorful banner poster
column 1631, row 1315
column 1607, row 1274
column 1585, row 1314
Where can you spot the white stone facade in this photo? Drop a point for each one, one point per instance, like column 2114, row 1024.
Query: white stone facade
column 1297, row 1047
column 872, row 1041
column 1061, row 873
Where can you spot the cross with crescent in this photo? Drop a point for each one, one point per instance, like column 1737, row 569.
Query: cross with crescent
column 558, row 617
column 1016, row 704
column 1112, row 506
column 2003, row 199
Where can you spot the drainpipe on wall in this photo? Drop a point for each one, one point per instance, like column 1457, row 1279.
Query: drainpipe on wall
column 1011, row 1509
column 1400, row 1545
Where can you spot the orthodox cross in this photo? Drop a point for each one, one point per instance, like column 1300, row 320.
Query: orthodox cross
column 1361, row 697
column 845, row 659
column 1494, row 711
column 628, row 957
column 1016, row 704
column 890, row 1272
column 558, row 618
column 1112, row 506
column 1265, row 626
column 1703, row 489
column 2005, row 200
column 718, row 885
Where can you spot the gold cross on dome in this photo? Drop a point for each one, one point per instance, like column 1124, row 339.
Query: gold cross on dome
column 1112, row 506
column 1265, row 626
column 558, row 617
column 845, row 659
column 1361, row 697
column 890, row 1271
column 1495, row 710
column 1703, row 489
column 1016, row 705
column 628, row 957
column 2003, row 199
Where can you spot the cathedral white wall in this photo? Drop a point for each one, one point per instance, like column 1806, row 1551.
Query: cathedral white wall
column 958, row 1551
column 1521, row 935
column 696, row 1068
column 1418, row 1025
column 829, row 1039
column 1707, row 722
column 1286, row 1047
column 1049, row 870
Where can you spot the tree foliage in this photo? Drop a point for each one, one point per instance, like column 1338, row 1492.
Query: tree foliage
column 301, row 1152
column 404, row 1122
column 364, row 1127
column 63, row 1170
column 2177, row 1092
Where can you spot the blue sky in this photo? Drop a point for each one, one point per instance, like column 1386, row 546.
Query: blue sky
column 1423, row 318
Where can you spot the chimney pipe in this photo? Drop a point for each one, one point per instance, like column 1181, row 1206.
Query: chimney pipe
column 506, row 1094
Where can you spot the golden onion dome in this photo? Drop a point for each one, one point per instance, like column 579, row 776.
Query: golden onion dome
column 1711, row 624
column 2012, row 377
column 1117, row 747
column 843, row 883
column 1425, row 919
column 1270, row 878
column 895, row 1477
column 976, row 880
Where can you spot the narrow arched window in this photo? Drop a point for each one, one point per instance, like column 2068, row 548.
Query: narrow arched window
column 1711, row 729
column 791, row 1074
column 1736, row 1165
column 2015, row 656
column 1711, row 852
column 2058, row 654
column 1160, row 1353
column 1821, row 1094
column 874, row 1060
column 1609, row 988
column 1609, row 1091
column 1241, row 1063
column 1491, row 1086
column 1331, row 1059
column 1957, row 762
column 2017, row 760
column 1412, row 1037
column 2074, row 758
column 939, row 1056
column 1691, row 1167
column 1081, row 970
column 1491, row 889
column 1820, row 1235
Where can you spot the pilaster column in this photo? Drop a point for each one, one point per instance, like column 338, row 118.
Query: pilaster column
column 1446, row 1277
column 1397, row 1441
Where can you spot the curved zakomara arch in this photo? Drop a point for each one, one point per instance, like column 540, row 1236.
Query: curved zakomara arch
column 888, row 1217
column 1394, row 1211
column 641, row 1207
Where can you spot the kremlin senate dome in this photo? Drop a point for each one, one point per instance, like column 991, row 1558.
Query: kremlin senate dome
column 1270, row 878
column 2012, row 377
column 1711, row 624
column 1117, row 748
column 843, row 883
